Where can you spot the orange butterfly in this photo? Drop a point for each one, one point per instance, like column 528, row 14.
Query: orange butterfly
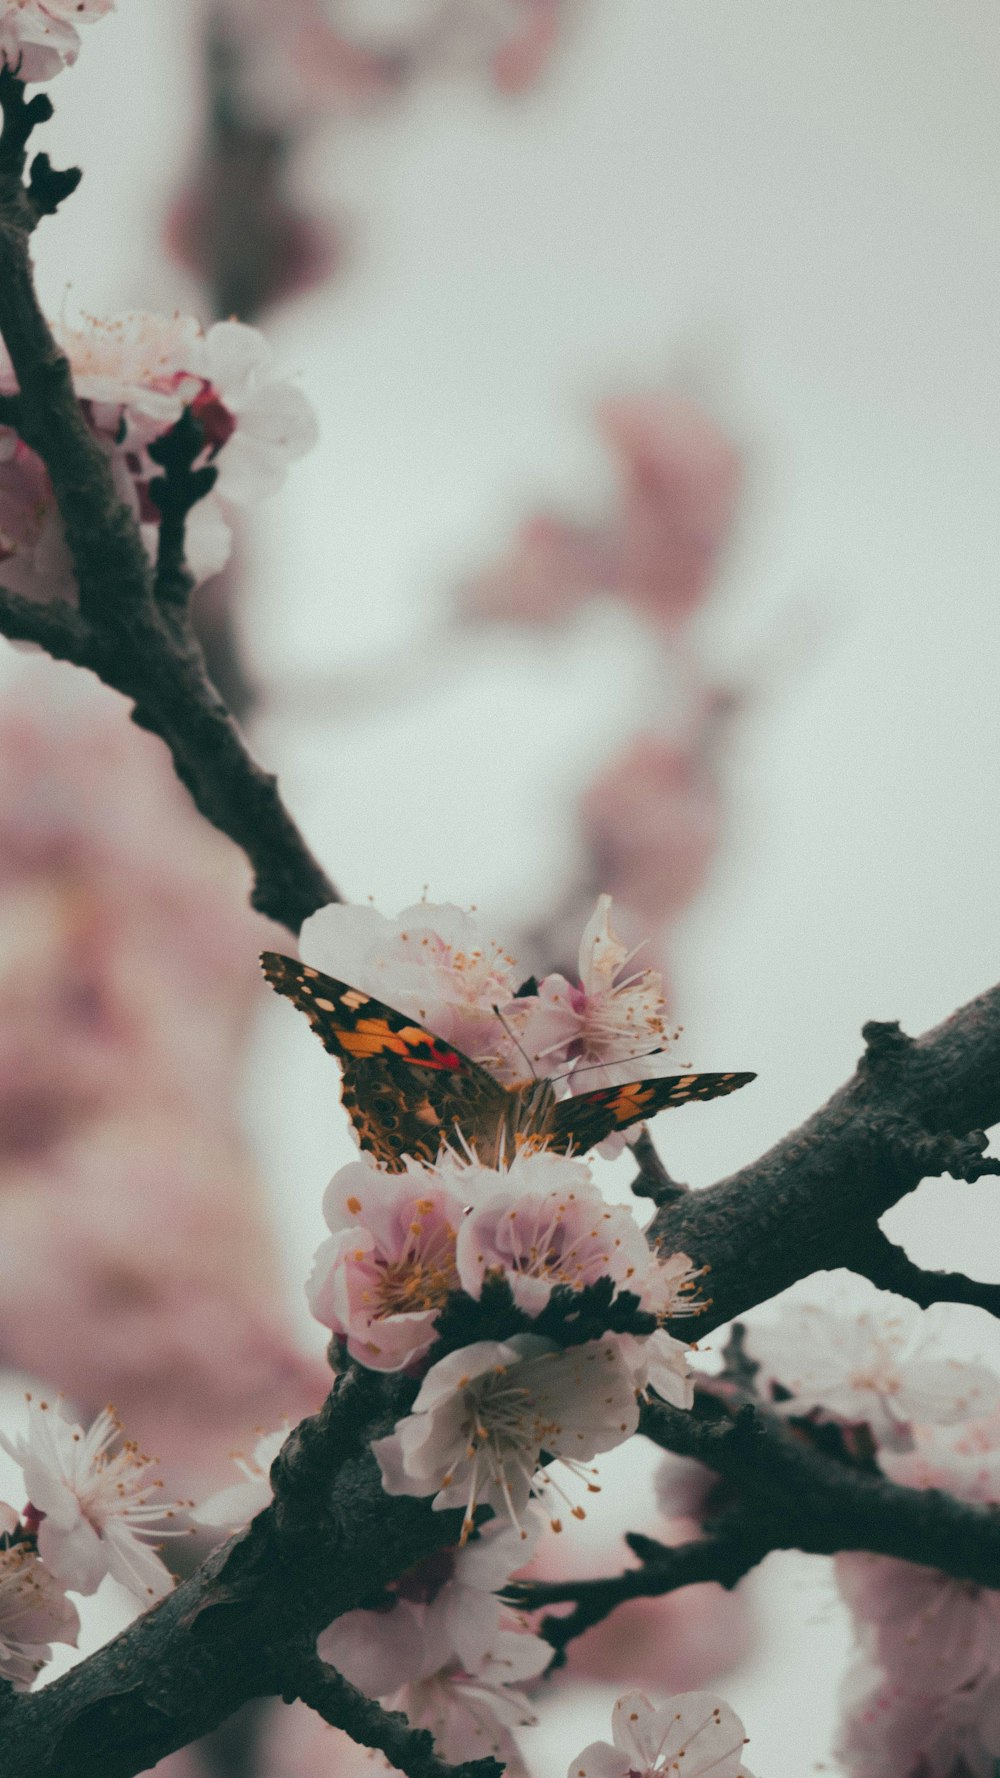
column 408, row 1092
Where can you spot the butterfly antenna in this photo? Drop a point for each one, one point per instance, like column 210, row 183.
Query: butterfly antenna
column 518, row 1045
column 660, row 1050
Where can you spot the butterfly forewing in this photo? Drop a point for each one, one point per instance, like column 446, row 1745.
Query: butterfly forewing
column 405, row 1090
column 588, row 1118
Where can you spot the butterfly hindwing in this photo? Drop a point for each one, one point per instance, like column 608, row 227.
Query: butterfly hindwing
column 405, row 1090
column 588, row 1118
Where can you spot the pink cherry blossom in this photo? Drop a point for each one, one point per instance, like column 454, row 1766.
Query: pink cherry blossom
column 135, row 375
column 869, row 1365
column 550, row 1227
column 963, row 1460
column 386, row 1272
column 485, row 1413
column 888, row 1731
column 448, row 1653
column 447, row 1612
column 38, row 38
column 933, row 1633
column 98, row 1504
column 241, row 1502
column 602, row 1027
column 136, row 1264
column 34, row 1610
column 431, row 962
column 696, row 1734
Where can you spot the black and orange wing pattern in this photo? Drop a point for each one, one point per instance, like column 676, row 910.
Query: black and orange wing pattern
column 405, row 1091
column 582, row 1121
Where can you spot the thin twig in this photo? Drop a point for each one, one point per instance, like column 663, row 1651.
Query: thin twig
column 891, row 1268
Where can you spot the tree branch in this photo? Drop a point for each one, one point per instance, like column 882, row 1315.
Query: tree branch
column 794, row 1496
column 891, row 1268
column 147, row 651
column 653, row 1180
column 665, row 1570
column 915, row 1106
column 339, row 1703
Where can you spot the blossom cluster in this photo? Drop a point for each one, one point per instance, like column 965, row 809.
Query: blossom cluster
column 136, row 375
column 923, row 1697
column 434, row 963
column 90, row 1510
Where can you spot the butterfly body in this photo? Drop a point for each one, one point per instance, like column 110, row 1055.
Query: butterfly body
column 408, row 1092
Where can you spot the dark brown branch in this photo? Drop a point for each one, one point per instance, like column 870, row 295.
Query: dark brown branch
column 891, row 1268
column 131, row 642
column 725, row 1560
column 410, row 1750
column 653, row 1180
column 794, row 1496
column 915, row 1107
column 54, row 626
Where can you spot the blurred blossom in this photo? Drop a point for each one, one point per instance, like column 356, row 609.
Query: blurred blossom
column 311, row 59
column 136, row 1263
column 651, row 822
column 680, row 481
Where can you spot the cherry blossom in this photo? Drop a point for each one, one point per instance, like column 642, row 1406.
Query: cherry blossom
column 696, row 1734
column 561, row 1233
column 242, row 1502
column 484, row 1414
column 602, row 1027
column 386, row 1272
column 38, row 38
column 448, row 1653
column 94, row 1503
column 869, row 1365
column 888, row 1731
column 658, row 1364
column 34, row 1609
column 933, row 1632
column 446, row 1611
column 136, row 374
column 431, row 962
column 963, row 1460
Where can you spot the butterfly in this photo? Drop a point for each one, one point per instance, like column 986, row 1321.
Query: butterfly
column 408, row 1092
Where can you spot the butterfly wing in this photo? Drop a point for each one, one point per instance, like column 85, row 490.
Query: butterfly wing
column 582, row 1121
column 405, row 1091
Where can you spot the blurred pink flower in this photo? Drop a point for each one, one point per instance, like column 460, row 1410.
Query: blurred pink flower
column 137, row 1262
column 682, row 480
column 659, row 553
column 651, row 822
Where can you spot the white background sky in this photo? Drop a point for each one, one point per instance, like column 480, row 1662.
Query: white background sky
column 794, row 207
